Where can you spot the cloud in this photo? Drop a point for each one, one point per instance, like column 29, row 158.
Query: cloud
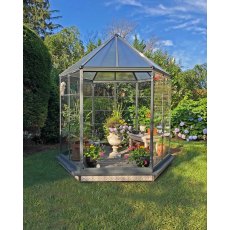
column 195, row 5
column 167, row 43
column 186, row 24
column 125, row 2
column 188, row 15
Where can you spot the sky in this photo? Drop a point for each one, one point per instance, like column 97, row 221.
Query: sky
column 180, row 26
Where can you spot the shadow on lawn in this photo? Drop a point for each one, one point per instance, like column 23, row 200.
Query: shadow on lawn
column 42, row 168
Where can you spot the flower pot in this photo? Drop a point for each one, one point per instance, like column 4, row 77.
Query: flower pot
column 161, row 149
column 115, row 141
column 91, row 163
column 143, row 161
column 154, row 131
column 75, row 156
column 75, row 147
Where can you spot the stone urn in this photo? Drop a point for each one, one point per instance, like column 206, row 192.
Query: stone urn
column 115, row 141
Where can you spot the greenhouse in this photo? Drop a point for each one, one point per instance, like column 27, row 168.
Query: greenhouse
column 115, row 115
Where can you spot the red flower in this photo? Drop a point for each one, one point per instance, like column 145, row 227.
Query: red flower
column 157, row 77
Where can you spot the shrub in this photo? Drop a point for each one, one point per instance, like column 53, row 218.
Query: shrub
column 50, row 131
column 189, row 119
column 36, row 81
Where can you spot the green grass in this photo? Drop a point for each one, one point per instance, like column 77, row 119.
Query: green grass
column 176, row 200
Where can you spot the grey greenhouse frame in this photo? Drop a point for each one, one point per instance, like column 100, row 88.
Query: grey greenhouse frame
column 114, row 62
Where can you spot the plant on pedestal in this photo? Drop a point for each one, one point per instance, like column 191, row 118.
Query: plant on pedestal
column 116, row 130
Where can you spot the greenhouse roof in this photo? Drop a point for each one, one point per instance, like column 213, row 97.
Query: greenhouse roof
column 115, row 55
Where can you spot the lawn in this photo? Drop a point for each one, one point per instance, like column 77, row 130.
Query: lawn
column 176, row 200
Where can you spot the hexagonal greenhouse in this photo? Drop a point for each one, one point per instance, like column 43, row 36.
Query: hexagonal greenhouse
column 115, row 115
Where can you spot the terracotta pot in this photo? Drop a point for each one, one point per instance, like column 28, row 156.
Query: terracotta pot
column 75, row 156
column 161, row 149
column 154, row 131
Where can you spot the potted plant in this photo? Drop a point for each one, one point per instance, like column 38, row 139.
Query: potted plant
column 71, row 129
column 144, row 118
column 92, row 153
column 157, row 121
column 116, row 130
column 140, row 155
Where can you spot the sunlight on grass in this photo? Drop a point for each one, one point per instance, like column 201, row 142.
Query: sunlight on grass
column 176, row 200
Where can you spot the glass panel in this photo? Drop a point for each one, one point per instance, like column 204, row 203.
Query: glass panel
column 104, row 89
column 87, row 89
column 127, row 57
column 63, row 86
column 125, row 76
column 74, row 85
column 162, row 106
column 143, row 75
column 89, row 75
column 105, row 76
column 106, row 57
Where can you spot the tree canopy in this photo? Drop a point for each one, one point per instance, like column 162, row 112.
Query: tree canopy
column 38, row 16
column 65, row 47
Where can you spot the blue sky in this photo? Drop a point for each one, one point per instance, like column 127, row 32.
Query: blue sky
column 179, row 25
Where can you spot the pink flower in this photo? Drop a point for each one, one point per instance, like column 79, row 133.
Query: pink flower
column 102, row 154
column 131, row 148
column 126, row 156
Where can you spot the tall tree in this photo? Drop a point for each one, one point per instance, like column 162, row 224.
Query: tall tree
column 121, row 27
column 65, row 47
column 92, row 45
column 38, row 16
column 139, row 45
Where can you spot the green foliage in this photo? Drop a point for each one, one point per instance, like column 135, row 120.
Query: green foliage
column 38, row 16
column 139, row 45
column 144, row 116
column 71, row 122
column 165, row 61
column 194, row 116
column 36, row 81
column 50, row 132
column 92, row 45
column 194, row 82
column 65, row 47
column 138, row 155
column 93, row 152
column 115, row 120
